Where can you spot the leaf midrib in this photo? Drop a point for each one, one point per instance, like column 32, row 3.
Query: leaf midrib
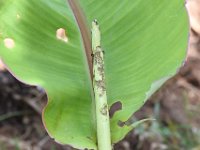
column 85, row 33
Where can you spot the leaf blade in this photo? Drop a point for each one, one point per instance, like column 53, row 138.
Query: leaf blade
column 143, row 41
column 39, row 58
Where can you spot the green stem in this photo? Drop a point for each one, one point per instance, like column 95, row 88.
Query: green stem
column 102, row 115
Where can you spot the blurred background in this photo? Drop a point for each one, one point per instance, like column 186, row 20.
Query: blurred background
column 176, row 107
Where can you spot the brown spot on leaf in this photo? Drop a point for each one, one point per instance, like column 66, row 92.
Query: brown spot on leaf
column 104, row 109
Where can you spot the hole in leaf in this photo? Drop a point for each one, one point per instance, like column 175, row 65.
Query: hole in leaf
column 114, row 108
column 61, row 35
column 133, row 122
column 127, row 123
column 9, row 43
column 121, row 123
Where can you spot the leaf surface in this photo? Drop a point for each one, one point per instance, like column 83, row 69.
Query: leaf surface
column 144, row 41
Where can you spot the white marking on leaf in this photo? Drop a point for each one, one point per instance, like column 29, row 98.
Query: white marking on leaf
column 9, row 43
column 18, row 16
column 61, row 35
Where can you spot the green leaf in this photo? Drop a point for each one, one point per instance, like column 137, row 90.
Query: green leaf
column 143, row 41
column 39, row 58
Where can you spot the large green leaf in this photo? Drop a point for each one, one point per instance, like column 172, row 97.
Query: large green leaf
column 144, row 41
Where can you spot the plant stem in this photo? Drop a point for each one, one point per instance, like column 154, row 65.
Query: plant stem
column 102, row 115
